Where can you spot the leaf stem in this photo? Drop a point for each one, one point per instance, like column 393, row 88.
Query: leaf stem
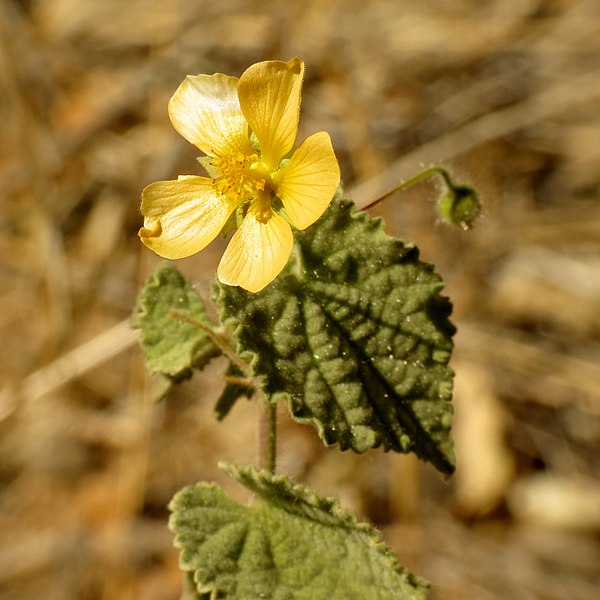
column 218, row 337
column 267, row 420
column 247, row 382
column 267, row 434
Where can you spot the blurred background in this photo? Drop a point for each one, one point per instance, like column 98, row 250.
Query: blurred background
column 504, row 93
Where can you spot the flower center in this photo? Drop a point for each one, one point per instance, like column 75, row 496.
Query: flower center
column 242, row 176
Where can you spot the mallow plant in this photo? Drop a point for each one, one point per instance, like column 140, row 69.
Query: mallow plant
column 319, row 309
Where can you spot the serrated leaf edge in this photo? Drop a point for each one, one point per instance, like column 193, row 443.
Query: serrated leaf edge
column 257, row 481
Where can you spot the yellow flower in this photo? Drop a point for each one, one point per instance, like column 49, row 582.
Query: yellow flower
column 247, row 129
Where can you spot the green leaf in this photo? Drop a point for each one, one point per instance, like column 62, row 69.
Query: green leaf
column 355, row 337
column 232, row 392
column 166, row 311
column 291, row 544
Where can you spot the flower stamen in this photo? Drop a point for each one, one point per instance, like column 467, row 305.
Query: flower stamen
column 240, row 179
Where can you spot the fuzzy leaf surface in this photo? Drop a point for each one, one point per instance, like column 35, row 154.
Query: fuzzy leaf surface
column 290, row 544
column 355, row 337
column 172, row 346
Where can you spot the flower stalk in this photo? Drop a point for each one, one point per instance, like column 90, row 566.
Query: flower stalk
column 458, row 204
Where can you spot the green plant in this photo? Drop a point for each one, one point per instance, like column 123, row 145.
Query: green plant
column 348, row 330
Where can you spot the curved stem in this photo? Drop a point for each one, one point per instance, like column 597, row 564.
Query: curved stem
column 415, row 179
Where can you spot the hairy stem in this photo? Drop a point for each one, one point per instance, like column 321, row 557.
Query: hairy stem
column 219, row 337
column 418, row 177
column 267, row 434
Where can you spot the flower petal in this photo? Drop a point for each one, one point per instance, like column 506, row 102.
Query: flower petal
column 206, row 111
column 257, row 252
column 182, row 217
column 269, row 94
column 307, row 184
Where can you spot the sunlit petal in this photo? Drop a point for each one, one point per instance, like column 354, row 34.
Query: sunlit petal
column 307, row 184
column 205, row 110
column 269, row 94
column 182, row 217
column 257, row 252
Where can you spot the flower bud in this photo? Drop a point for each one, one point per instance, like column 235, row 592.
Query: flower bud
column 459, row 205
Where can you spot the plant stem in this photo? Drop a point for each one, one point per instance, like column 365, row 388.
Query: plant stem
column 267, row 434
column 267, row 420
column 243, row 381
column 418, row 177
column 218, row 337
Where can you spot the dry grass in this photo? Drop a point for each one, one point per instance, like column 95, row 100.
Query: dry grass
column 504, row 92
